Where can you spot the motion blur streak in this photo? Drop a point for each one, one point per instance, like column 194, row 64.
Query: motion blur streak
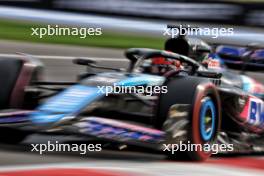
column 216, row 167
column 60, row 172
column 147, row 27
column 251, row 163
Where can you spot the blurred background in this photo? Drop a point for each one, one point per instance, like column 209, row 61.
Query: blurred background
column 125, row 24
column 121, row 19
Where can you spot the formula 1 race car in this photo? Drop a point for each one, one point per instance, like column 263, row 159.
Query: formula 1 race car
column 234, row 56
column 156, row 103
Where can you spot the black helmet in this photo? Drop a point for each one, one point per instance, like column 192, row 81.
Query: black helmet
column 178, row 45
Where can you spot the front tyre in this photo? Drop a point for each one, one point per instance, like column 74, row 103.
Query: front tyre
column 190, row 115
column 205, row 122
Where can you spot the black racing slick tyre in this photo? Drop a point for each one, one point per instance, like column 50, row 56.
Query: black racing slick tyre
column 12, row 136
column 190, row 114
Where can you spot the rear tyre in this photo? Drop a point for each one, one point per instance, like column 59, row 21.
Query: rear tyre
column 12, row 136
column 190, row 115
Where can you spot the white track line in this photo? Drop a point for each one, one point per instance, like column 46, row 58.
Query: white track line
column 61, row 57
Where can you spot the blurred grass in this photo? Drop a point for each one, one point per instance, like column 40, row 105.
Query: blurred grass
column 17, row 30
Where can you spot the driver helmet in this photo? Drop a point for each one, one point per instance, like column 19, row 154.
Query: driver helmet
column 194, row 48
column 178, row 45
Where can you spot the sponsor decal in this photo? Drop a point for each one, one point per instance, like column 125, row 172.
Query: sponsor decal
column 214, row 64
column 256, row 111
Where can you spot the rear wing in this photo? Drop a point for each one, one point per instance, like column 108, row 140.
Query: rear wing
column 249, row 57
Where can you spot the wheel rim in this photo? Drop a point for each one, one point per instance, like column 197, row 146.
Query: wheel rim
column 207, row 119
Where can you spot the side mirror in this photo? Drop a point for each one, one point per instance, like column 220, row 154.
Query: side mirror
column 82, row 61
column 91, row 63
column 202, row 49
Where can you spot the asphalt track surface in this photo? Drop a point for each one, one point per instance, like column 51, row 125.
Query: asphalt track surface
column 110, row 160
